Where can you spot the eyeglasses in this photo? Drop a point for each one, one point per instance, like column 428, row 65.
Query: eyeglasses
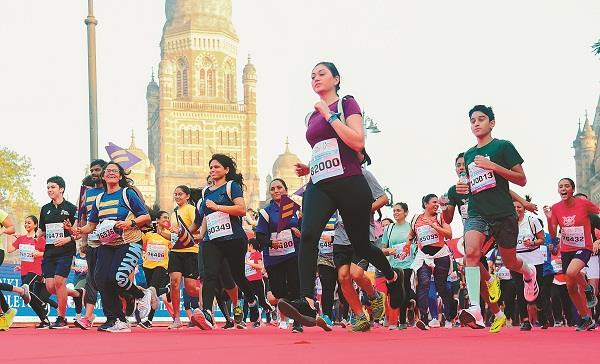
column 111, row 171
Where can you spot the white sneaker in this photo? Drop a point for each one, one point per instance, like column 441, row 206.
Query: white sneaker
column 448, row 325
column 472, row 317
column 119, row 326
column 283, row 324
column 143, row 304
column 434, row 323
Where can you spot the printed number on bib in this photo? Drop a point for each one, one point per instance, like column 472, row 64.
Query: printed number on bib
column 573, row 236
column 480, row 179
column 400, row 255
column 326, row 161
column 106, row 232
column 503, row 273
column 427, row 235
column 218, row 224
column 325, row 247
column 26, row 252
column 286, row 239
column 155, row 252
column 93, row 235
column 54, row 232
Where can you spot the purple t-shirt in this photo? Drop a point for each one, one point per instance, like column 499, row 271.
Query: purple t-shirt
column 319, row 130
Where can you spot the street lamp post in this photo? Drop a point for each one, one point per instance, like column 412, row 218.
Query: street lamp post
column 91, row 23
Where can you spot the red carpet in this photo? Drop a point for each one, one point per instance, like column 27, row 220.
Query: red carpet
column 270, row 345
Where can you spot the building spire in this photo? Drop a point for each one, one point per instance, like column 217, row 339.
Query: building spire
column 287, row 145
column 132, row 145
column 152, row 74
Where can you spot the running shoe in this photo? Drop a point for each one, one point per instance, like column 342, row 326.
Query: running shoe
column 363, row 323
column 106, row 325
column 254, row 313
column 204, row 320
column 143, row 305
column 526, row 326
column 274, row 316
column 494, row 289
column 435, row 323
column 176, row 324
column 378, row 306
column 27, row 297
column 472, row 317
column 60, row 323
column 343, row 323
column 283, row 325
column 422, row 325
column 297, row 328
column 590, row 297
column 448, row 325
column 145, row 324
column 197, row 317
column 497, row 324
column 395, row 289
column 558, row 324
column 228, row 325
column 324, row 322
column 79, row 300
column 44, row 324
column 402, row 326
column 119, row 326
column 531, row 289
column 586, row 324
column 238, row 315
column 84, row 323
column 299, row 310
column 393, row 327
column 257, row 324
column 3, row 322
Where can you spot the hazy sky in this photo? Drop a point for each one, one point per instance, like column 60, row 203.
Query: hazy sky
column 415, row 67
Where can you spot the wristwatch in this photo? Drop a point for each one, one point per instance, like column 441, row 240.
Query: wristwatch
column 133, row 223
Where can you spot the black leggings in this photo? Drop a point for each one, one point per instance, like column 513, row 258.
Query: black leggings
column 409, row 294
column 328, row 278
column 234, row 252
column 283, row 279
column 561, row 304
column 157, row 278
column 259, row 288
column 352, row 197
column 39, row 294
column 91, row 289
column 508, row 297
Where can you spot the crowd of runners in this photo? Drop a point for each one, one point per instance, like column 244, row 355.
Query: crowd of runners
column 334, row 261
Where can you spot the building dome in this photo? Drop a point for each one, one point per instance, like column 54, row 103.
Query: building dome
column 152, row 89
column 249, row 71
column 284, row 164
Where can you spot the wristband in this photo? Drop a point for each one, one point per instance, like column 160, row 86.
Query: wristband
column 333, row 116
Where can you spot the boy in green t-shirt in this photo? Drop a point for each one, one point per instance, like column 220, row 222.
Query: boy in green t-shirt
column 491, row 165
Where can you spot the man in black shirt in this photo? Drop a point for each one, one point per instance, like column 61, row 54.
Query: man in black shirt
column 60, row 248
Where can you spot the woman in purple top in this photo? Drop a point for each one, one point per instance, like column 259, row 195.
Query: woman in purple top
column 336, row 183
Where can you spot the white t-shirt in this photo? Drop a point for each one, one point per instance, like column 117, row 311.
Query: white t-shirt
column 528, row 228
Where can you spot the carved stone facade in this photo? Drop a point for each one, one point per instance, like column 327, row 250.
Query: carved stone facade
column 587, row 157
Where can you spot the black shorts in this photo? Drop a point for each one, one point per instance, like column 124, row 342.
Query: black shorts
column 343, row 255
column 582, row 254
column 57, row 266
column 505, row 230
column 184, row 263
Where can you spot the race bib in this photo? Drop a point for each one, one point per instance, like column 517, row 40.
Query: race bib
column 400, row 252
column 503, row 273
column 480, row 179
column 93, row 236
column 573, row 236
column 54, row 232
column 427, row 235
column 26, row 252
column 544, row 250
column 524, row 235
column 80, row 263
column 325, row 247
column 218, row 224
column 106, row 232
column 464, row 211
column 556, row 266
column 326, row 161
column 249, row 270
column 156, row 252
column 286, row 239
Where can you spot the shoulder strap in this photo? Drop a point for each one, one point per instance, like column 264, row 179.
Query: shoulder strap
column 264, row 214
column 307, row 119
column 531, row 225
column 228, row 189
column 204, row 192
column 98, row 198
column 413, row 223
column 340, row 109
column 390, row 230
column 126, row 199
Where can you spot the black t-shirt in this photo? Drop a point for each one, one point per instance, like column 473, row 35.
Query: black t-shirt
column 51, row 219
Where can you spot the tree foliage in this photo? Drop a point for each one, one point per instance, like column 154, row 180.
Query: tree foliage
column 15, row 176
column 596, row 48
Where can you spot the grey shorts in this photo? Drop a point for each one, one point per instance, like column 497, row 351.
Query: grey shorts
column 504, row 230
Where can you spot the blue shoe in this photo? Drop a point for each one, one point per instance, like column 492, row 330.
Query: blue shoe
column 325, row 322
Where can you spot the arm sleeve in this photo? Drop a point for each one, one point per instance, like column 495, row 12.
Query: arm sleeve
column 236, row 191
column 17, row 242
column 511, row 155
column 376, row 189
column 538, row 225
column 350, row 106
column 72, row 214
column 592, row 207
column 554, row 219
column 137, row 206
column 42, row 220
column 199, row 216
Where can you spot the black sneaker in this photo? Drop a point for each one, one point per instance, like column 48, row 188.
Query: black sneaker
column 526, row 326
column 44, row 324
column 145, row 324
column 60, row 323
column 228, row 325
column 298, row 310
column 586, row 324
column 254, row 313
column 396, row 289
column 79, row 300
column 108, row 324
column 297, row 328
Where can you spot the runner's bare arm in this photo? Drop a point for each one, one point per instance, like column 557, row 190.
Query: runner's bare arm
column 352, row 134
column 531, row 207
column 448, row 214
column 379, row 203
column 86, row 229
column 515, row 175
column 8, row 227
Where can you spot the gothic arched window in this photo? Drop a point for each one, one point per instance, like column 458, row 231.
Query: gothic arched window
column 182, row 78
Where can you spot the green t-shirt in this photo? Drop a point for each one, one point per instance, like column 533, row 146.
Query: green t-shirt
column 394, row 236
column 490, row 195
column 459, row 200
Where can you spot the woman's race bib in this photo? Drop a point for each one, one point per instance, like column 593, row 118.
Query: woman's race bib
column 26, row 252
column 93, row 236
column 156, row 252
column 54, row 232
column 503, row 273
column 107, row 233
column 326, row 161
column 480, row 179
column 286, row 239
column 556, row 266
column 218, row 224
column 524, row 235
column 400, row 255
column 325, row 248
column 249, row 270
column 427, row 235
column 573, row 236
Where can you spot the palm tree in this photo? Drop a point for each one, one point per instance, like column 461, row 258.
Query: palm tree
column 596, row 48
